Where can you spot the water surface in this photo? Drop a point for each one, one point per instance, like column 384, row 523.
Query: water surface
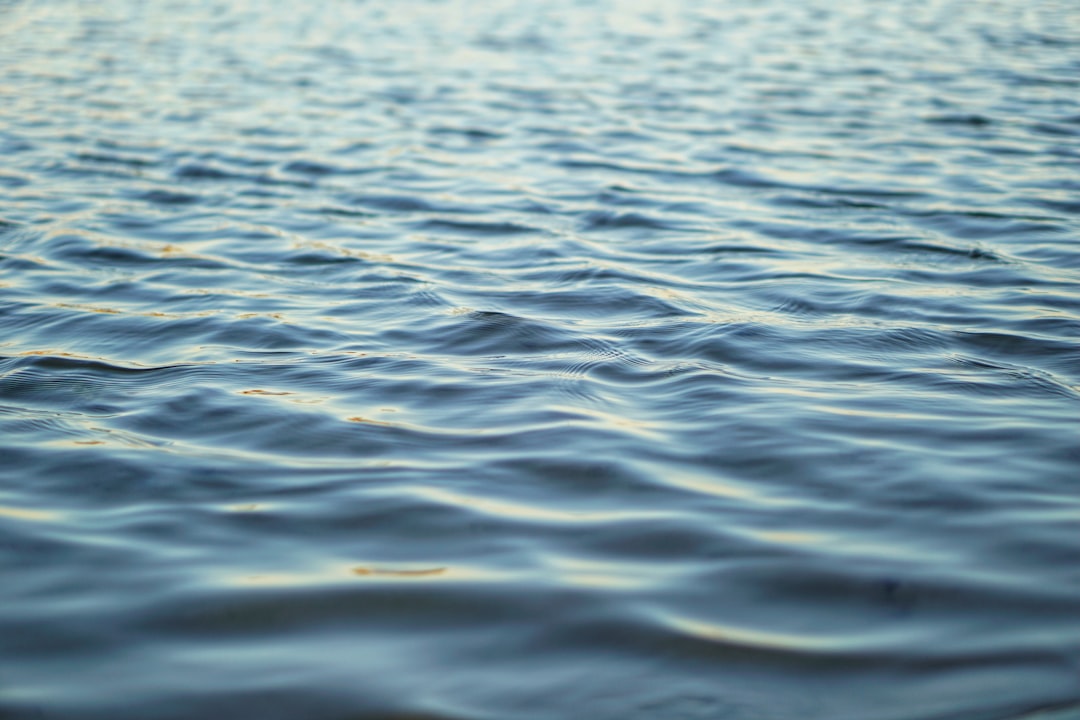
column 468, row 361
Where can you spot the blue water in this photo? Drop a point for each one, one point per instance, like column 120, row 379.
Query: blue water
column 613, row 359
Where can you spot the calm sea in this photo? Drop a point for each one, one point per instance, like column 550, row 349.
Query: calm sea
column 577, row 359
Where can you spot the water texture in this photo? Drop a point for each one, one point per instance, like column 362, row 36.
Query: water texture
column 575, row 359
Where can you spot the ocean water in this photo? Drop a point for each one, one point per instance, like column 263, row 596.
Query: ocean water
column 608, row 359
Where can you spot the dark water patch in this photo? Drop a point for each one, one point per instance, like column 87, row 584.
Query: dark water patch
column 166, row 197
column 620, row 221
column 95, row 170
column 127, row 160
column 601, row 301
column 477, row 134
column 1055, row 129
column 201, row 172
column 198, row 171
column 309, row 167
column 321, row 256
column 485, row 332
column 1073, row 208
column 7, row 226
column 1022, row 378
column 921, row 245
column 345, row 212
column 825, row 203
column 986, row 276
column 1055, row 351
column 476, row 228
column 979, row 225
column 746, row 178
column 973, row 120
column 11, row 181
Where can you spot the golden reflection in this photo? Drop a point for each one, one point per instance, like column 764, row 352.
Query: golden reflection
column 361, row 570
column 147, row 313
column 347, row 252
column 249, row 507
column 89, row 308
column 731, row 635
column 28, row 514
column 56, row 353
column 101, row 358
column 250, row 315
column 340, row 573
column 30, row 259
column 293, row 397
column 789, row 537
column 369, row 421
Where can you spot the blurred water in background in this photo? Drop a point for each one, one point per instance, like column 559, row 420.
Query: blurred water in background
column 575, row 359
